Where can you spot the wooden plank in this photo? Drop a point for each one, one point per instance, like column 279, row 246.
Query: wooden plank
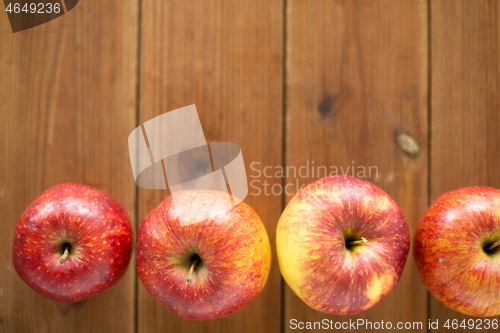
column 465, row 97
column 225, row 57
column 356, row 78
column 67, row 105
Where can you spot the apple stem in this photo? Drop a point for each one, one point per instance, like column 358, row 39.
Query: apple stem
column 359, row 242
column 492, row 246
column 191, row 271
column 65, row 254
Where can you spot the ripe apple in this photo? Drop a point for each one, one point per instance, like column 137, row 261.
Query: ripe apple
column 73, row 242
column 342, row 244
column 457, row 250
column 206, row 270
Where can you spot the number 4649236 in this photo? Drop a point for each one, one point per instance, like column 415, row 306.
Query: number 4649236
column 472, row 324
column 34, row 8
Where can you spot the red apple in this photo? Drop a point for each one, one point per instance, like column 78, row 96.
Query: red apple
column 457, row 250
column 73, row 242
column 206, row 270
column 342, row 244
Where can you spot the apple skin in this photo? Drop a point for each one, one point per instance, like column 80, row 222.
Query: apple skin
column 233, row 247
column 311, row 244
column 449, row 253
column 96, row 226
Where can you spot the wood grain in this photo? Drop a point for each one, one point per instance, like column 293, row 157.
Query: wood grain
column 465, row 97
column 356, row 79
column 225, row 57
column 67, row 104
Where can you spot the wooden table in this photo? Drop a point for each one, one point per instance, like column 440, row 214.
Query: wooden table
column 289, row 81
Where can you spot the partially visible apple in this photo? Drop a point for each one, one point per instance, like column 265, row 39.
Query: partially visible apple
column 206, row 270
column 342, row 244
column 457, row 250
column 73, row 242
